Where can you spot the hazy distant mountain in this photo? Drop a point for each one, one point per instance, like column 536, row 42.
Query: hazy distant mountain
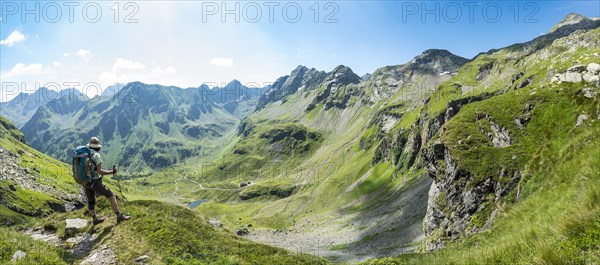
column 143, row 126
column 112, row 90
column 20, row 109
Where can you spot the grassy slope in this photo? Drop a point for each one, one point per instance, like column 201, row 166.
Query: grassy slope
column 38, row 252
column 167, row 233
column 47, row 171
column 557, row 217
column 175, row 235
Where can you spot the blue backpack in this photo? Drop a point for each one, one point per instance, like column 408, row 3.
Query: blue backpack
column 83, row 165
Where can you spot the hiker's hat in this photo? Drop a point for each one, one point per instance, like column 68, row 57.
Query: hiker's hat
column 94, row 143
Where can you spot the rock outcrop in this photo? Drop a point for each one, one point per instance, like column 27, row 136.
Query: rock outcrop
column 582, row 118
column 500, row 137
column 578, row 74
column 74, row 226
column 458, row 205
column 101, row 256
column 18, row 255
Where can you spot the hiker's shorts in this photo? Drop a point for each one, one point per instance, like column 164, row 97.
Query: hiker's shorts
column 93, row 188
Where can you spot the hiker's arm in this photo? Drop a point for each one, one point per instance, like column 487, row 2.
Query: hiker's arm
column 102, row 171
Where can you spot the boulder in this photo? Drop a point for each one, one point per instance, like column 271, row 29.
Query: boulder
column 573, row 77
column 81, row 245
column 580, row 68
column 581, row 119
column 593, row 79
column 587, row 76
column 74, row 226
column 593, row 68
column 215, row 222
column 557, row 78
column 500, row 136
column 241, row 231
column 142, row 259
column 18, row 255
column 102, row 256
column 12, row 187
column 588, row 92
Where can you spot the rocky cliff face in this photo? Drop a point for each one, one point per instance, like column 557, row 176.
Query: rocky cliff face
column 457, row 206
column 415, row 81
column 336, row 89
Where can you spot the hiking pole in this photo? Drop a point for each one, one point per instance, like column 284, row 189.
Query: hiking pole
column 118, row 183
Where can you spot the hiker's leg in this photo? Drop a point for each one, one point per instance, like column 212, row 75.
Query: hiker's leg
column 106, row 192
column 91, row 199
column 114, row 205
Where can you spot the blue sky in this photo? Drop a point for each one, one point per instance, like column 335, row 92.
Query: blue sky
column 187, row 43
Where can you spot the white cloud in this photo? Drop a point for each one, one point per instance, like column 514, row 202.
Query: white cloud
column 124, row 64
column 221, row 61
column 13, row 38
column 167, row 70
column 125, row 71
column 57, row 64
column 83, row 53
column 23, row 69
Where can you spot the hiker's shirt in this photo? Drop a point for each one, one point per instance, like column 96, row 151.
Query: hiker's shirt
column 97, row 161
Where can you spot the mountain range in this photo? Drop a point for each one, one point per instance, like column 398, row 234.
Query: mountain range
column 142, row 127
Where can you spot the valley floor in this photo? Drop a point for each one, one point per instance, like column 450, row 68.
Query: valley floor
column 383, row 230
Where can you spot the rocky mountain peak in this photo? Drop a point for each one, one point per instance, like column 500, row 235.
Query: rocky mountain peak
column 300, row 78
column 572, row 19
column 112, row 90
column 365, row 77
column 296, row 76
column 437, row 61
column 234, row 83
column 342, row 75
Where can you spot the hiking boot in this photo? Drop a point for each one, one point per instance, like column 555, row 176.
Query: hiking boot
column 98, row 220
column 123, row 217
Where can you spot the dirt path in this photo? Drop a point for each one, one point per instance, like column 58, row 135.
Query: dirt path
column 204, row 188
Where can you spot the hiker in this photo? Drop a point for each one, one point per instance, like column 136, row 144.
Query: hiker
column 96, row 185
